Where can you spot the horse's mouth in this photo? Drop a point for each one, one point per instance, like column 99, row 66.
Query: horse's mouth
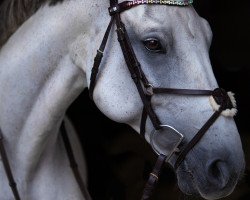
column 186, row 181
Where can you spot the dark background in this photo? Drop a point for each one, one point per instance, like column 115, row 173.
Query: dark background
column 119, row 160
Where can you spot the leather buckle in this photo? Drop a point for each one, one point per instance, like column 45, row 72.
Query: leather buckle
column 149, row 89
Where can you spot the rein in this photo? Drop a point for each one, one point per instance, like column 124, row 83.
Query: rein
column 71, row 157
column 147, row 90
column 7, row 168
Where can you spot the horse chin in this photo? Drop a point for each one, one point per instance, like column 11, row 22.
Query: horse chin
column 191, row 186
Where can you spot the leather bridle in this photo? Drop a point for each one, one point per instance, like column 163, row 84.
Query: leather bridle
column 145, row 89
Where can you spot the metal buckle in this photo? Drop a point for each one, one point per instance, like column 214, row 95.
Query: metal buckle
column 113, row 10
column 175, row 148
column 149, row 89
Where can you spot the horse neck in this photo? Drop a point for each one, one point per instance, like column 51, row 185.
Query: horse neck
column 41, row 80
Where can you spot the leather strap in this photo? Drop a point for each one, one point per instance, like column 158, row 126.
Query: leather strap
column 73, row 163
column 132, row 62
column 153, row 178
column 221, row 97
column 196, row 138
column 98, row 59
column 143, row 122
column 7, row 169
column 135, row 69
column 182, row 91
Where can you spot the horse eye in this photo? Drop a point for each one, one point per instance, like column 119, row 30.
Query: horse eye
column 153, row 45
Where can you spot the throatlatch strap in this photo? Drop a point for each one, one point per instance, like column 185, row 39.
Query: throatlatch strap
column 153, row 177
column 7, row 169
column 98, row 59
column 73, row 163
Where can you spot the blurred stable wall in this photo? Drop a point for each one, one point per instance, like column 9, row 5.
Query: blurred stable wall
column 118, row 159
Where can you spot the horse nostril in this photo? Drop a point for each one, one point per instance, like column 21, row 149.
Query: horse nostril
column 215, row 169
column 218, row 173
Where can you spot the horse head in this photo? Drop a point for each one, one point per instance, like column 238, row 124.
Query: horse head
column 172, row 45
column 157, row 78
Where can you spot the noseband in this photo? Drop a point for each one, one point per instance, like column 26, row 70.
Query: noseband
column 146, row 90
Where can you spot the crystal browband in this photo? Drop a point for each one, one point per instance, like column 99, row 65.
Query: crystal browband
column 163, row 2
column 125, row 5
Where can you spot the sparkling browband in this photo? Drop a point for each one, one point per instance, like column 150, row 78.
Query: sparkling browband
column 125, row 5
column 163, row 2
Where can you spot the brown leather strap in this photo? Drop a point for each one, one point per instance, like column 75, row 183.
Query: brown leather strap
column 221, row 97
column 196, row 138
column 73, row 163
column 98, row 59
column 153, row 178
column 7, row 169
column 143, row 122
column 182, row 91
column 134, row 68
